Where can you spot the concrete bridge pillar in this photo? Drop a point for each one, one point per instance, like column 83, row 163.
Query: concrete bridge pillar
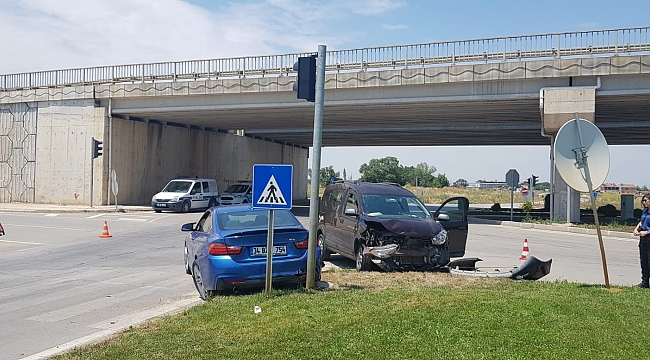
column 557, row 106
column 565, row 195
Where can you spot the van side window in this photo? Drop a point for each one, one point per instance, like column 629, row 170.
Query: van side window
column 351, row 203
column 336, row 196
column 327, row 200
column 195, row 189
column 206, row 187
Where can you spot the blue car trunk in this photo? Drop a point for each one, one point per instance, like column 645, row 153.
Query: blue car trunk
column 254, row 245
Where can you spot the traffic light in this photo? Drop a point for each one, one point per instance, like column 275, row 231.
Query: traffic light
column 529, row 181
column 97, row 148
column 305, row 84
column 534, row 179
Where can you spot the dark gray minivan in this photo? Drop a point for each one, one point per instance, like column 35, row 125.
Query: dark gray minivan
column 388, row 226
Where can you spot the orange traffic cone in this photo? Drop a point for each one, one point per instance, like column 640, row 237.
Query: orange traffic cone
column 524, row 251
column 105, row 233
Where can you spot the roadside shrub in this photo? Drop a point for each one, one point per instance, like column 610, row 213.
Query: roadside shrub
column 496, row 207
column 527, row 207
column 608, row 210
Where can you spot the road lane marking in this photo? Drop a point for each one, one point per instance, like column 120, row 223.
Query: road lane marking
column 121, row 322
column 21, row 242
column 129, row 219
column 93, row 305
column 51, row 214
column 93, row 216
column 44, row 227
column 158, row 218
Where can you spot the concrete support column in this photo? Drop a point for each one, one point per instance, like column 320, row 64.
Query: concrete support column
column 557, row 106
column 563, row 193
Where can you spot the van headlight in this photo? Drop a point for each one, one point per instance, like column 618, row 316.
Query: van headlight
column 440, row 238
column 153, row 198
column 175, row 198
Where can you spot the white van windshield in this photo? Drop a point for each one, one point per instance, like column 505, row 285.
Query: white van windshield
column 178, row 186
column 237, row 188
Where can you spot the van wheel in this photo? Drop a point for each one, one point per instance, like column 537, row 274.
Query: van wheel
column 186, row 206
column 158, row 210
column 363, row 262
column 324, row 252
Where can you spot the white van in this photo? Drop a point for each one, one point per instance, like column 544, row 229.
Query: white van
column 184, row 194
column 238, row 193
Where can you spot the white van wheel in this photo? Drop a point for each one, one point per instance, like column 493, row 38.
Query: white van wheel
column 186, row 206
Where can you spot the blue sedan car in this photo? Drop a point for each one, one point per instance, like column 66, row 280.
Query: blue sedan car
column 226, row 249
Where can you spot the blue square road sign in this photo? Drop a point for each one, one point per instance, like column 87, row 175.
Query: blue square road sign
column 272, row 186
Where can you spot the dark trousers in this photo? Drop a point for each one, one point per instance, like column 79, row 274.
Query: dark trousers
column 644, row 252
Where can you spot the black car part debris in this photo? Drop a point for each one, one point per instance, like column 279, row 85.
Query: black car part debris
column 532, row 269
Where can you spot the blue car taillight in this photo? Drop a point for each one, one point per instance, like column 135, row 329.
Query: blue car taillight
column 302, row 244
column 223, row 249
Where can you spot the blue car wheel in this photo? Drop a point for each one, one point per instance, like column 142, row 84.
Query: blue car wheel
column 198, row 282
column 186, row 257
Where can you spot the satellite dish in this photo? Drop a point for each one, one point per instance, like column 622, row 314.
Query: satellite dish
column 581, row 155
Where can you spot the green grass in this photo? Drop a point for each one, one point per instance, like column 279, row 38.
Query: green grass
column 458, row 319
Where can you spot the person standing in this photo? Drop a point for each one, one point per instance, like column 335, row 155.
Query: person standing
column 642, row 229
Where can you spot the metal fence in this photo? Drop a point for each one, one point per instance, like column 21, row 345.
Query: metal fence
column 516, row 48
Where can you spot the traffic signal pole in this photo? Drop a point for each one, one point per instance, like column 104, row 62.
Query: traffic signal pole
column 92, row 161
column 315, row 167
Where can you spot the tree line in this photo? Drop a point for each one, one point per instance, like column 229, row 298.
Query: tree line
column 388, row 169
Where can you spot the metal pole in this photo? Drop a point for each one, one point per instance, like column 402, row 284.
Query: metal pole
column 568, row 204
column 269, row 253
column 512, row 201
column 593, row 203
column 315, row 167
column 92, row 145
column 551, row 203
column 110, row 151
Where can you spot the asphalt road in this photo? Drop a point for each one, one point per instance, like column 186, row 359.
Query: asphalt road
column 62, row 286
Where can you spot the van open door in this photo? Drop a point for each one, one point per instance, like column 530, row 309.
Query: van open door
column 456, row 209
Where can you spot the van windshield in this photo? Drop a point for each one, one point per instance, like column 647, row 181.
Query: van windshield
column 178, row 186
column 237, row 188
column 394, row 206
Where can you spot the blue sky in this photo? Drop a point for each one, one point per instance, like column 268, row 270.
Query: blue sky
column 45, row 34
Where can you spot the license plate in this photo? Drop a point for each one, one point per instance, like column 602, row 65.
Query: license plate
column 161, row 205
column 277, row 250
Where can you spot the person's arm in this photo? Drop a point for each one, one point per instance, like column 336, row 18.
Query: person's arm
column 636, row 229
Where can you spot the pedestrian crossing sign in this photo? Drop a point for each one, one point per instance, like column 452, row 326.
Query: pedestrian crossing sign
column 272, row 186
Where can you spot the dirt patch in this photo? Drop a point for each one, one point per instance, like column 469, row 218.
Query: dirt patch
column 373, row 280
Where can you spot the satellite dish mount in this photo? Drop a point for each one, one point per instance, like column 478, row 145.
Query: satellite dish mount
column 571, row 162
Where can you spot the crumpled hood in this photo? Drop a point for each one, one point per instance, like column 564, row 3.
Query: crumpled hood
column 419, row 228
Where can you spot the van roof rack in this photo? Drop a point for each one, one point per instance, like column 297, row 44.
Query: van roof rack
column 346, row 182
column 390, row 183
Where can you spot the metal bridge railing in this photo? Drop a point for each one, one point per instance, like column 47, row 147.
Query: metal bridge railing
column 543, row 46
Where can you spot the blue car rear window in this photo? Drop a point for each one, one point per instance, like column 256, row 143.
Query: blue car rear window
column 255, row 219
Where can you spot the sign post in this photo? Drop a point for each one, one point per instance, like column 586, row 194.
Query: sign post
column 114, row 186
column 272, row 189
column 512, row 178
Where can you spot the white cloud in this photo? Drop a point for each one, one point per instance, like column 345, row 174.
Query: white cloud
column 45, row 34
column 394, row 27
column 375, row 7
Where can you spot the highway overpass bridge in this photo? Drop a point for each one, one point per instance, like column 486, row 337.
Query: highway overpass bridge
column 218, row 117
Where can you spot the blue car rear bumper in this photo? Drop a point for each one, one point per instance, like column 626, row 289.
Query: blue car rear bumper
column 223, row 273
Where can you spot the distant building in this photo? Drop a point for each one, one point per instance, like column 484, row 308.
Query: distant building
column 619, row 189
column 491, row 185
column 628, row 189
